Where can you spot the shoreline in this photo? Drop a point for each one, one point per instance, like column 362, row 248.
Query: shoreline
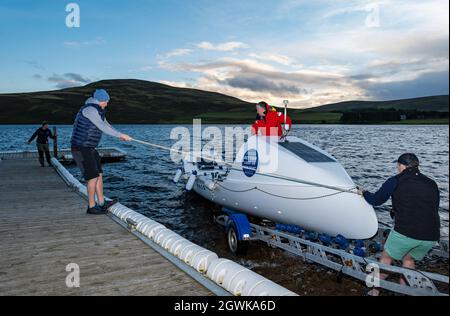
column 415, row 123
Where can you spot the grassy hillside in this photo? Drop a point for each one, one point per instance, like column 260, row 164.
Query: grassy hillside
column 433, row 103
column 144, row 102
column 132, row 101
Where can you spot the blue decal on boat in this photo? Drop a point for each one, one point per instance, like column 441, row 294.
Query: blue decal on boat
column 250, row 163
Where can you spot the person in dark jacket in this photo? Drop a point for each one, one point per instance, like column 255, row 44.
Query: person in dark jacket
column 90, row 124
column 415, row 201
column 42, row 134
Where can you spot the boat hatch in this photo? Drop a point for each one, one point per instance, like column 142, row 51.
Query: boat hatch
column 306, row 153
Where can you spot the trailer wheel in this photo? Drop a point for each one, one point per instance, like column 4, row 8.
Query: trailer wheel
column 237, row 247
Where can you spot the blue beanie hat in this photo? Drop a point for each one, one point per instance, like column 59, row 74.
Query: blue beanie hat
column 101, row 95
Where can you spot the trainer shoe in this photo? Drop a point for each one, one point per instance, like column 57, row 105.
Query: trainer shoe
column 96, row 210
column 108, row 204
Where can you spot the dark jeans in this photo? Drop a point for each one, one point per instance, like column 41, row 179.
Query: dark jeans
column 43, row 149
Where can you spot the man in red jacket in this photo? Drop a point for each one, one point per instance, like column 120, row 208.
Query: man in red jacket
column 269, row 122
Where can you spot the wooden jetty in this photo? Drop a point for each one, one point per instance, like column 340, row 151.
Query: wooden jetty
column 107, row 154
column 44, row 228
column 64, row 156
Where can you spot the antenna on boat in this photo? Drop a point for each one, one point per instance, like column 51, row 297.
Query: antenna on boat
column 286, row 126
column 286, row 103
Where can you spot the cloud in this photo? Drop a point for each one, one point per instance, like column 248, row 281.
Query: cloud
column 95, row 42
column 68, row 80
column 326, row 53
column 352, row 7
column 432, row 83
column 222, row 47
column 251, row 80
column 258, row 83
column 37, row 76
column 277, row 58
column 178, row 52
column 357, row 68
column 77, row 78
column 397, row 69
column 34, row 64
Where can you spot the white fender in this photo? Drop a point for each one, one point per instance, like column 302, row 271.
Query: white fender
column 191, row 181
column 177, row 176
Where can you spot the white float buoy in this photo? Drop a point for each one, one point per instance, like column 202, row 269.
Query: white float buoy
column 191, row 181
column 177, row 175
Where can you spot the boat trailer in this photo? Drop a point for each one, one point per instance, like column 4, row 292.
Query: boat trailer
column 355, row 258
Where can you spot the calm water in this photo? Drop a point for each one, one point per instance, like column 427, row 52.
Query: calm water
column 143, row 182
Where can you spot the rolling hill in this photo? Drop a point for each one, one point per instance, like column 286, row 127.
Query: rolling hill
column 433, row 103
column 144, row 102
column 132, row 101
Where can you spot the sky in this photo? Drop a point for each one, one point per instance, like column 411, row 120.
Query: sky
column 309, row 52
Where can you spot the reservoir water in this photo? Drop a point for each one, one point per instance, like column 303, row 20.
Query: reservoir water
column 144, row 183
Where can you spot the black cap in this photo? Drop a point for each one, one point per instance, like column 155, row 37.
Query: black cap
column 44, row 123
column 409, row 160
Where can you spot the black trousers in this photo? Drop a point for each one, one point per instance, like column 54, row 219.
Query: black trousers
column 43, row 149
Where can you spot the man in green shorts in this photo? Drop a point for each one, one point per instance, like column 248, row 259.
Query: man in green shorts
column 415, row 201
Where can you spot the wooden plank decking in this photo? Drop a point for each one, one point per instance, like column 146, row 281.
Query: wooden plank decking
column 44, row 227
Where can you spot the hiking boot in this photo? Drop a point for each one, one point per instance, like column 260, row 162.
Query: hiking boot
column 96, row 210
column 108, row 204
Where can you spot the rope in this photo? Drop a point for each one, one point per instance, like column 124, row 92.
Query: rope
column 276, row 195
column 236, row 191
column 302, row 199
column 230, row 166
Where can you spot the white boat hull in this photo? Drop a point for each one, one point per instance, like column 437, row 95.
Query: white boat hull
column 265, row 193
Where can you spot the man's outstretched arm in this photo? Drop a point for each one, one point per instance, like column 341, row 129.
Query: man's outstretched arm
column 383, row 194
column 33, row 136
column 92, row 115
